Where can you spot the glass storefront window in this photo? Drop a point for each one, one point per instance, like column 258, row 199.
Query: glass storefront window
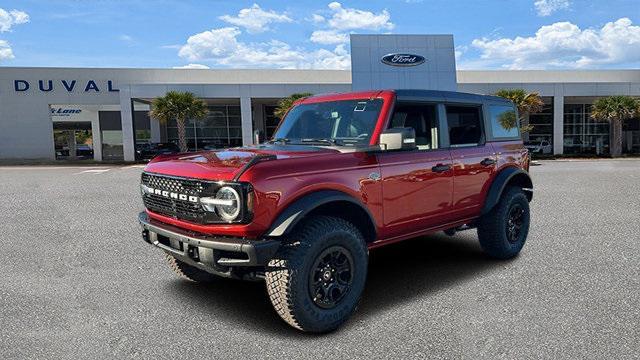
column 631, row 136
column 143, row 136
column 112, row 145
column 221, row 128
column 271, row 120
column 141, row 123
column 634, row 147
column 582, row 134
column 542, row 123
column 111, row 135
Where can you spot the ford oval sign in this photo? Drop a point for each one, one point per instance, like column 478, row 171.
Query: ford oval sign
column 403, row 59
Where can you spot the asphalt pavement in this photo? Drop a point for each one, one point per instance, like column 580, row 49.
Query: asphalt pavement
column 78, row 282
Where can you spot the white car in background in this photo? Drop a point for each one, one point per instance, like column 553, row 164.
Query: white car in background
column 539, row 147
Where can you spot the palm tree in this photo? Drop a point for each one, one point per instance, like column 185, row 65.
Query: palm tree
column 527, row 103
column 615, row 110
column 285, row 104
column 178, row 106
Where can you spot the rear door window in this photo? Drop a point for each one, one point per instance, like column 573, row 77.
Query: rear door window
column 465, row 125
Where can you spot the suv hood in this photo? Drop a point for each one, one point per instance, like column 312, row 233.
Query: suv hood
column 227, row 164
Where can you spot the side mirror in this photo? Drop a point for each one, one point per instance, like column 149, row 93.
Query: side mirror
column 398, row 139
column 258, row 137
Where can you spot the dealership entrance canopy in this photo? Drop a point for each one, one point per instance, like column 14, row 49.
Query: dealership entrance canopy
column 83, row 113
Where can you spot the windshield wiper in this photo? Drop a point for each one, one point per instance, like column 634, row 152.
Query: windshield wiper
column 279, row 140
column 323, row 141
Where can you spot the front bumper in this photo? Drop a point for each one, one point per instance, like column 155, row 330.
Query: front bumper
column 210, row 253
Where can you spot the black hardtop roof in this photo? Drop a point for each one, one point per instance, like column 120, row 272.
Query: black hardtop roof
column 439, row 95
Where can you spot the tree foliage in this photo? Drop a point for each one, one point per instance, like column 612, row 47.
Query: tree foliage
column 285, row 104
column 178, row 106
column 616, row 110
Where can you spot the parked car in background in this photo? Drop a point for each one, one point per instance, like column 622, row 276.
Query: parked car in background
column 148, row 151
column 539, row 147
column 83, row 151
column 61, row 151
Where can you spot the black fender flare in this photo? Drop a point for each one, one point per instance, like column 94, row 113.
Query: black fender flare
column 297, row 210
column 500, row 182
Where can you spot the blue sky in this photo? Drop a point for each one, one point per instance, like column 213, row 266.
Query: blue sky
column 489, row 34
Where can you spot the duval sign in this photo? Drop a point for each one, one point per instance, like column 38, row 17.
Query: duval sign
column 64, row 85
column 401, row 59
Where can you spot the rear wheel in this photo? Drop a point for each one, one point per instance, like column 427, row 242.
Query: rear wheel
column 315, row 281
column 503, row 231
column 190, row 272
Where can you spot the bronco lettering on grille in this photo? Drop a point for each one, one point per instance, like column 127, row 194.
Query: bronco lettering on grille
column 173, row 195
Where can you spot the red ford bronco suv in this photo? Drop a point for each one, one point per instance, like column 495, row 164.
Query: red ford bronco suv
column 344, row 173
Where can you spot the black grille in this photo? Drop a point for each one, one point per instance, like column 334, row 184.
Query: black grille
column 184, row 209
column 179, row 209
column 177, row 185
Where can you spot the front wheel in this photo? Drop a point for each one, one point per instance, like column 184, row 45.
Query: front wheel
column 503, row 231
column 315, row 281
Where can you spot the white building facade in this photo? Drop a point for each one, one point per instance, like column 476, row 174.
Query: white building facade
column 102, row 114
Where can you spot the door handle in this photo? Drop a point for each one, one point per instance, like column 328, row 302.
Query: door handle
column 441, row 168
column 488, row 162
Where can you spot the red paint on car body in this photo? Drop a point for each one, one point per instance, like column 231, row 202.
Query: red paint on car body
column 408, row 200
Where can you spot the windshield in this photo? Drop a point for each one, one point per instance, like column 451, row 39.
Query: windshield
column 343, row 123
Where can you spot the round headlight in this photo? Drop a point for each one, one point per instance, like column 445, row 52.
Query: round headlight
column 228, row 206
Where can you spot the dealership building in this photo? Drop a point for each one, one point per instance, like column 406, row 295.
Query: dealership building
column 99, row 113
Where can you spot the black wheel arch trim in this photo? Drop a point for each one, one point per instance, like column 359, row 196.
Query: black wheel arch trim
column 301, row 207
column 501, row 181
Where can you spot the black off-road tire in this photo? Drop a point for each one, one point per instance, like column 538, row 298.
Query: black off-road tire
column 288, row 276
column 190, row 272
column 493, row 227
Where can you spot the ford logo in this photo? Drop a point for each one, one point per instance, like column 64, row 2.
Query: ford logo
column 403, row 59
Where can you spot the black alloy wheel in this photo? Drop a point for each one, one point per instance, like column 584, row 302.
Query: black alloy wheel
column 515, row 220
column 331, row 277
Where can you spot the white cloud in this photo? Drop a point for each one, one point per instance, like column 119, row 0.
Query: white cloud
column 565, row 45
column 210, row 44
column 315, row 18
column 342, row 20
column 329, row 37
column 192, row 66
column 222, row 47
column 5, row 51
column 7, row 20
column 339, row 58
column 351, row 19
column 10, row 18
column 548, row 7
column 128, row 40
column 255, row 19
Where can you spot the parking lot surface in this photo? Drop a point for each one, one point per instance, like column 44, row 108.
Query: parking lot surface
column 78, row 282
